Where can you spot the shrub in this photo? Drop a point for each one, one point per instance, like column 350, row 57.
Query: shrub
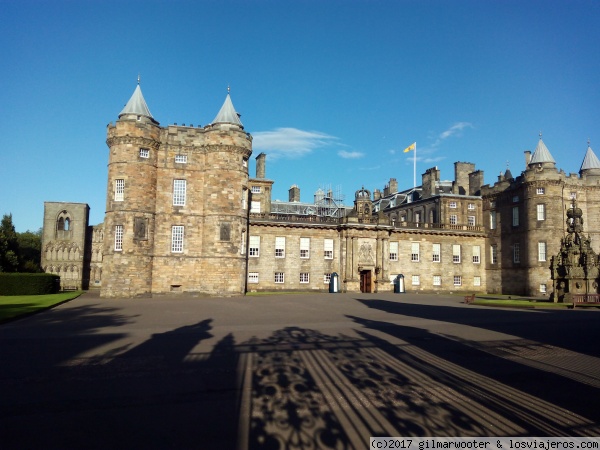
column 29, row 283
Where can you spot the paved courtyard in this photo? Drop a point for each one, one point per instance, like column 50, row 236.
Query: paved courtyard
column 293, row 372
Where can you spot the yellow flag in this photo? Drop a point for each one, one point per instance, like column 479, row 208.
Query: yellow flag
column 410, row 147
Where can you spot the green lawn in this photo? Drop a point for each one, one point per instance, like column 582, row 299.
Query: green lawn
column 516, row 301
column 12, row 306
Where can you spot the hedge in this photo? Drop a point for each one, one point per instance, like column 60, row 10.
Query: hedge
column 29, row 283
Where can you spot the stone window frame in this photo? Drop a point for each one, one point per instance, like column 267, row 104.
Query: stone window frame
column 471, row 206
column 279, row 277
column 540, row 191
column 516, row 252
column 456, row 251
column 543, row 288
column 179, row 192
column 304, row 248
column 476, row 254
column 328, row 247
column 253, row 277
column 181, row 159
column 144, row 153
column 493, row 254
column 255, row 207
column 471, row 221
column 279, row 246
column 453, row 205
column 118, row 238
column 327, row 278
column 453, row 219
column 542, row 251
column 457, row 280
column 394, row 251
column 477, row 281
column 515, row 216
column 254, row 247
column 415, row 252
column 255, row 189
column 415, row 280
column 436, row 253
column 493, row 220
column 177, row 237
column 304, row 277
column 119, row 190
column 437, row 280
column 540, row 210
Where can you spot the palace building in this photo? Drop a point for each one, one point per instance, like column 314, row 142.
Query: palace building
column 184, row 215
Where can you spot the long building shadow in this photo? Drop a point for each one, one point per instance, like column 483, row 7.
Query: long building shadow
column 577, row 331
column 296, row 389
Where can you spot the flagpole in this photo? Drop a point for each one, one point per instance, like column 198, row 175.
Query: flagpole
column 415, row 168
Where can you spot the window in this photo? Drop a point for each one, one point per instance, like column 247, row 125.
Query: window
column 144, row 153
column 471, row 206
column 456, row 253
column 418, row 217
column 255, row 207
column 254, row 247
column 452, row 204
column 279, row 277
column 516, row 253
column 414, row 252
column 492, row 220
column 181, row 159
column 177, row 238
column 476, row 254
column 494, row 253
column 453, row 219
column 416, row 280
column 476, row 281
column 326, row 278
column 280, row 247
column 393, row 251
column 457, row 280
column 304, row 248
column 541, row 212
column 471, row 221
column 304, row 277
column 253, row 277
column 540, row 191
column 244, row 198
column 515, row 216
column 255, row 189
column 516, row 199
column 179, row 188
column 492, row 204
column 436, row 253
column 119, row 190
column 542, row 288
column 328, row 248
column 437, row 280
column 243, row 243
column 541, row 251
column 118, row 238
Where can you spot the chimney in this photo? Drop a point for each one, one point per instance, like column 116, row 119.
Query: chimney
column 475, row 182
column 260, row 165
column 376, row 194
column 527, row 158
column 294, row 194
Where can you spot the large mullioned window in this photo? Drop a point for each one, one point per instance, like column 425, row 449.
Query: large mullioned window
column 177, row 238
column 119, row 190
column 118, row 238
column 179, row 191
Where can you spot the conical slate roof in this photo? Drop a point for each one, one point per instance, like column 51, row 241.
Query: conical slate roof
column 227, row 113
column 590, row 160
column 541, row 154
column 137, row 105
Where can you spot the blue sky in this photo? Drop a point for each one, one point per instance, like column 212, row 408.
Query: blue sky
column 332, row 91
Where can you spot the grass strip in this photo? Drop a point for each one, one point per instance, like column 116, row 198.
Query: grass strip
column 15, row 306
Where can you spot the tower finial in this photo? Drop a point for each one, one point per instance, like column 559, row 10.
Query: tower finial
column 588, row 142
column 138, row 78
column 228, row 89
column 540, row 135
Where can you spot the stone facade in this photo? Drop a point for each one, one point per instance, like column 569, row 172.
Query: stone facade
column 65, row 243
column 183, row 215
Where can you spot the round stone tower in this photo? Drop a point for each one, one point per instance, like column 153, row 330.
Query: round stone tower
column 133, row 142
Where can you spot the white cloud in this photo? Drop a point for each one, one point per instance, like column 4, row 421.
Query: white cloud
column 350, row 155
column 290, row 142
column 454, row 130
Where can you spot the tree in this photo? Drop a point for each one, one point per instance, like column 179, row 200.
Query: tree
column 9, row 245
column 30, row 251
